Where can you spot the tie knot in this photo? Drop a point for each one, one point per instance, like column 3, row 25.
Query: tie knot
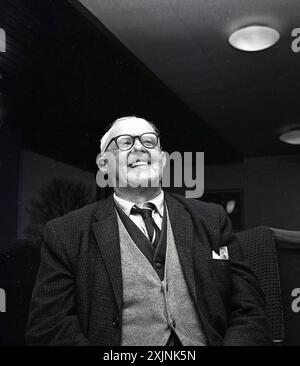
column 145, row 212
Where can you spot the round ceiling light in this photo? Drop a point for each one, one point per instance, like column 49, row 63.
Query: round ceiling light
column 291, row 137
column 254, row 38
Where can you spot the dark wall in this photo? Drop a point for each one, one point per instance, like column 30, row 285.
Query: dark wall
column 10, row 143
column 271, row 187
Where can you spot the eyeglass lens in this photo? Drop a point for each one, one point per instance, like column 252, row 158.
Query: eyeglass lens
column 148, row 140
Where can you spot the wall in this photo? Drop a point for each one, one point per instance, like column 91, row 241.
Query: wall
column 10, row 148
column 271, row 189
column 36, row 171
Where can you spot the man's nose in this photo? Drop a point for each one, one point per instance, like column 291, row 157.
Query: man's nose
column 137, row 145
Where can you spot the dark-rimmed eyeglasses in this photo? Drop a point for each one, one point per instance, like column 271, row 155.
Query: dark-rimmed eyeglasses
column 125, row 142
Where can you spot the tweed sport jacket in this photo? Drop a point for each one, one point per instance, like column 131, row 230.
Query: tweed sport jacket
column 77, row 299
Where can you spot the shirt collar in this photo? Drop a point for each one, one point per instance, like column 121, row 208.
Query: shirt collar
column 126, row 206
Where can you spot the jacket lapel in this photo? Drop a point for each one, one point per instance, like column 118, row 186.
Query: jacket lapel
column 107, row 236
column 191, row 248
column 182, row 228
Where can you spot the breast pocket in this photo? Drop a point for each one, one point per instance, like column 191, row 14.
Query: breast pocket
column 220, row 263
column 220, row 272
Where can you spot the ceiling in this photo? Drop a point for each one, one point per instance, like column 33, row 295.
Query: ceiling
column 71, row 69
column 247, row 98
column 65, row 78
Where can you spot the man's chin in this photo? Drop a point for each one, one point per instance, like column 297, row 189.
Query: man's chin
column 143, row 180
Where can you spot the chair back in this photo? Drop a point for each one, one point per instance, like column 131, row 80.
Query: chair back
column 260, row 250
column 288, row 255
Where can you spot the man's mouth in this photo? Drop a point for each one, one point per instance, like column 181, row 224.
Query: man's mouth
column 138, row 163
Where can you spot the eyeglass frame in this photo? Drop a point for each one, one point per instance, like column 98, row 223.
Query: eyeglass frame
column 134, row 137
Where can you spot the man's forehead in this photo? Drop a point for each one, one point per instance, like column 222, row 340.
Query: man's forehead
column 132, row 126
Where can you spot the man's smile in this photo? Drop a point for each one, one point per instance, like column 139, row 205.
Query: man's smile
column 138, row 162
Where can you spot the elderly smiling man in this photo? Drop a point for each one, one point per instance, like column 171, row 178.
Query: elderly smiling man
column 144, row 267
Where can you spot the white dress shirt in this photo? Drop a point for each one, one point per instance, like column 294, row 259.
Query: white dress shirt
column 157, row 214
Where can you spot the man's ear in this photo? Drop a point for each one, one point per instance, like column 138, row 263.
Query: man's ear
column 101, row 161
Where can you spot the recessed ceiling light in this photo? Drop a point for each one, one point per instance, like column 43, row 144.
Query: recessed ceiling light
column 291, row 137
column 254, row 38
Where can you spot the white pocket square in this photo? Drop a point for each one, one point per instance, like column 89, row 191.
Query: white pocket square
column 223, row 254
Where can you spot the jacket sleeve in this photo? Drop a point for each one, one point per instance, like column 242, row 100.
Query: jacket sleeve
column 248, row 323
column 52, row 319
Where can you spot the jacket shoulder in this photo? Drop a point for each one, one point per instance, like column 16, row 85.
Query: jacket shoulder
column 197, row 204
column 65, row 235
column 77, row 219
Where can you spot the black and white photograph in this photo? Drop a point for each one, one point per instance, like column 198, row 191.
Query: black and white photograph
column 150, row 176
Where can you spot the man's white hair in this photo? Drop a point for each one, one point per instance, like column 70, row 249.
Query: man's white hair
column 106, row 137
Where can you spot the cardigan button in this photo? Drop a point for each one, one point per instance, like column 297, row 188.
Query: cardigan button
column 158, row 265
column 116, row 322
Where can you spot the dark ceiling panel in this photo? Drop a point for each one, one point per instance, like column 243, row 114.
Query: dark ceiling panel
column 247, row 98
column 65, row 78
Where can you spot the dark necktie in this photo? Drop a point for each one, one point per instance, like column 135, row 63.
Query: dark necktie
column 146, row 213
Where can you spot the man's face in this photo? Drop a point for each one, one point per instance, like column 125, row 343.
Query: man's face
column 138, row 166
